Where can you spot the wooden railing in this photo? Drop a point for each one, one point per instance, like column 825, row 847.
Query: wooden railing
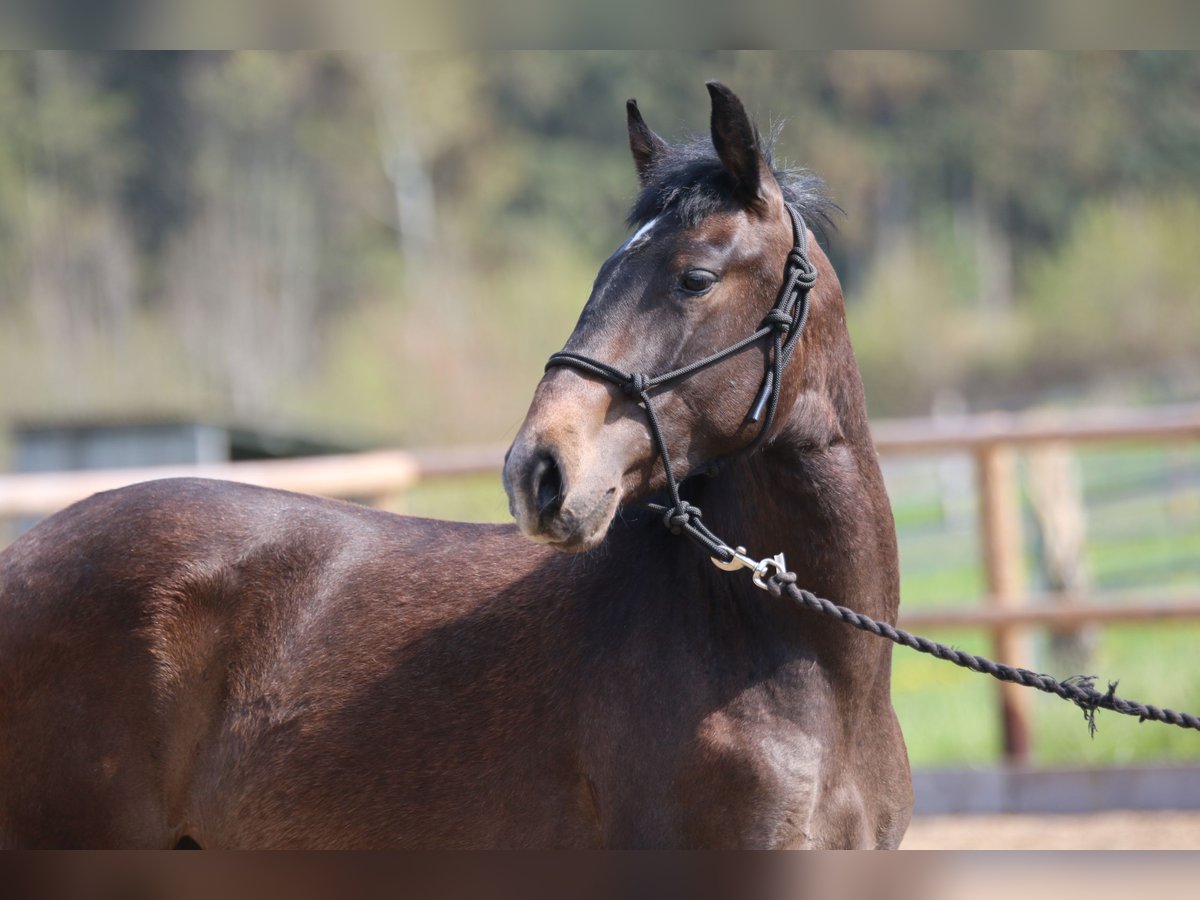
column 992, row 441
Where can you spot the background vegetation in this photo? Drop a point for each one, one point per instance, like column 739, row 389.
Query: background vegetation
column 384, row 249
column 307, row 238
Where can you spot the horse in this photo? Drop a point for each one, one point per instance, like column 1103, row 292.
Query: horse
column 189, row 662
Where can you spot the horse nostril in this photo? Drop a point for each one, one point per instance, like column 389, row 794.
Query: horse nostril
column 548, row 485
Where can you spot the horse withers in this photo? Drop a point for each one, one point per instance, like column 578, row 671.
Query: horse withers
column 190, row 662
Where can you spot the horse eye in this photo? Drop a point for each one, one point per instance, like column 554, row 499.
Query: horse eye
column 697, row 281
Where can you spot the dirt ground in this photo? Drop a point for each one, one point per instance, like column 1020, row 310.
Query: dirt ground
column 1097, row 831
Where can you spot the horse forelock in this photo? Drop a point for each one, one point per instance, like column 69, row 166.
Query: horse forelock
column 689, row 182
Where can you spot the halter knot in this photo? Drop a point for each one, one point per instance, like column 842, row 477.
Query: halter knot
column 636, row 384
column 679, row 517
column 806, row 272
column 777, row 319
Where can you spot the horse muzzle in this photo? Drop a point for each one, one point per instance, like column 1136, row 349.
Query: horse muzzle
column 555, row 502
column 576, row 457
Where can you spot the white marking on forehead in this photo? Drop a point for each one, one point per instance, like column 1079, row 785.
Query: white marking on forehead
column 618, row 260
column 643, row 231
column 638, row 236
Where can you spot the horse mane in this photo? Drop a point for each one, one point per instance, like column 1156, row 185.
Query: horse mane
column 690, row 181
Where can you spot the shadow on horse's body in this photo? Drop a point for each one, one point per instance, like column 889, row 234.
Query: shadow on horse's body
column 253, row 668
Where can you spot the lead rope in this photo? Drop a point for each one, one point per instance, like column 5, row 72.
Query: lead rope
column 1079, row 689
column 784, row 324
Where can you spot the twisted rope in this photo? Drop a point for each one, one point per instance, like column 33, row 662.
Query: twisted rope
column 1080, row 689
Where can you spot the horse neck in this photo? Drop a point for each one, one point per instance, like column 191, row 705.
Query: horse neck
column 815, row 492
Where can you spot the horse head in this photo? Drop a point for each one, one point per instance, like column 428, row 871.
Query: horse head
column 711, row 234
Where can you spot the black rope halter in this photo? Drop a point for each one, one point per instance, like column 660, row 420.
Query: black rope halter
column 783, row 325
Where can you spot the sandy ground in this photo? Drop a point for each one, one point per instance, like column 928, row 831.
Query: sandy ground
column 1098, row 831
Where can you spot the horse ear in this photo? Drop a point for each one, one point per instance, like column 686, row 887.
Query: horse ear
column 647, row 146
column 736, row 140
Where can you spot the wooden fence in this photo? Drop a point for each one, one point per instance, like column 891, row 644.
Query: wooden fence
column 993, row 442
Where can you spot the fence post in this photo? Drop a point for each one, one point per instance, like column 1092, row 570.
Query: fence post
column 1003, row 559
column 1056, row 497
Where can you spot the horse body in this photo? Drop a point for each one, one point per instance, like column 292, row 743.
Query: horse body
column 252, row 668
column 255, row 668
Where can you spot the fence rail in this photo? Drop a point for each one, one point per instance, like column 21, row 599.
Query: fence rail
column 990, row 440
column 369, row 475
column 979, row 432
column 1049, row 611
column 385, row 473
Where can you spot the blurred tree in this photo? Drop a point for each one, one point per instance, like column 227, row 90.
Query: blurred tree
column 245, row 284
column 71, row 264
column 157, row 193
column 269, row 212
column 402, row 156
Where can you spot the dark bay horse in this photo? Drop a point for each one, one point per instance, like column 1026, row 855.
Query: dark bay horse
column 199, row 662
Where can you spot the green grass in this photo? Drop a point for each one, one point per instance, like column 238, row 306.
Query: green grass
column 1156, row 664
column 1143, row 506
column 478, row 498
column 949, row 715
column 1144, row 535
